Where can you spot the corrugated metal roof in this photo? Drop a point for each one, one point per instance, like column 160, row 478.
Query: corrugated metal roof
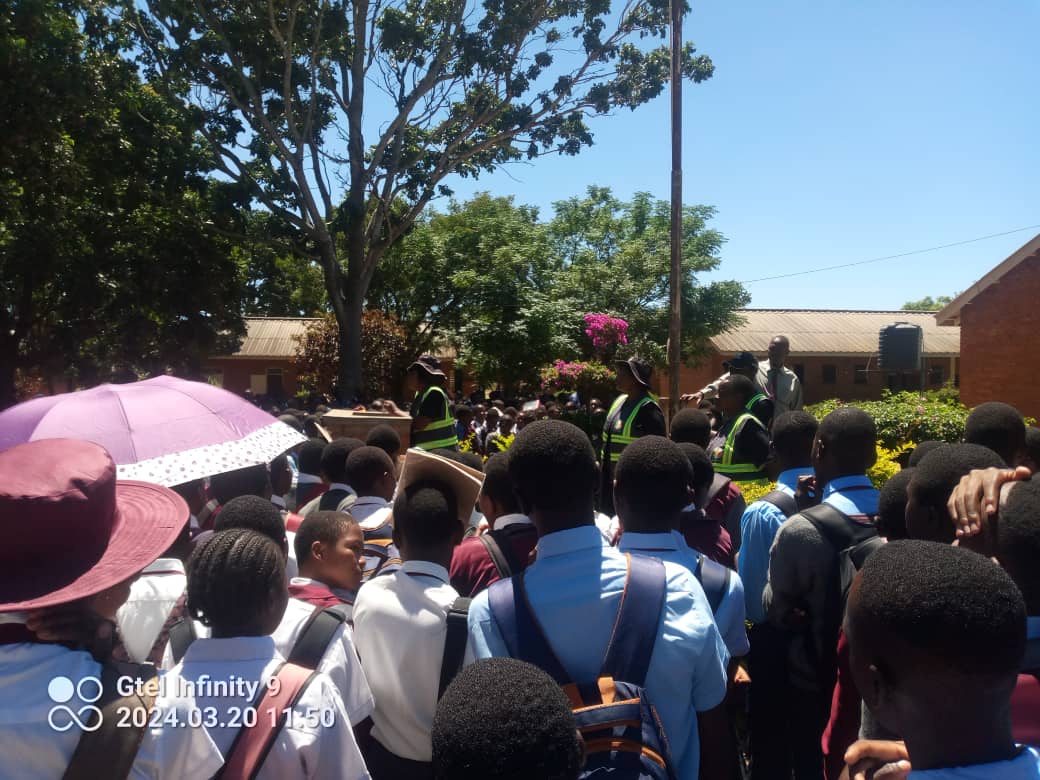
column 276, row 337
column 824, row 332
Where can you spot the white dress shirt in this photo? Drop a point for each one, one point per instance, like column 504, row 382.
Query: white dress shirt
column 371, row 511
column 317, row 741
column 152, row 598
column 340, row 661
column 401, row 623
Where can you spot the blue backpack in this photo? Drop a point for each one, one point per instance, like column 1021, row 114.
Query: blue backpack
column 621, row 727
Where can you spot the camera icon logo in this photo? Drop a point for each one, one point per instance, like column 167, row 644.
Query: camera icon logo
column 62, row 717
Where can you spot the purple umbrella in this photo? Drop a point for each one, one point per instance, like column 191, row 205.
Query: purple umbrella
column 163, row 430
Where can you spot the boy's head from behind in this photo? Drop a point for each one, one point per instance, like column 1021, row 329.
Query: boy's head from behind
column 426, row 520
column 1000, row 427
column 892, row 505
column 309, row 457
column 334, row 458
column 652, row 482
column 255, row 514
column 936, row 634
column 330, row 548
column 386, row 438
column 1018, row 539
column 845, row 444
column 497, row 496
column 934, row 478
column 236, row 584
column 554, row 469
column 702, row 473
column 503, row 719
column 792, row 440
column 692, row 426
column 370, row 471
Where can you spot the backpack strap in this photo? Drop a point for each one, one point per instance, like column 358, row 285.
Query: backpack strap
column 317, row 633
column 330, row 499
column 635, row 627
column 715, row 581
column 783, row 501
column 454, row 643
column 498, row 557
column 253, row 743
column 177, row 614
column 500, row 547
column 110, row 748
column 182, row 634
column 520, row 629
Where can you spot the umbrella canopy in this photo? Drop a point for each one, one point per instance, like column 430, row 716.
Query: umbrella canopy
column 163, row 430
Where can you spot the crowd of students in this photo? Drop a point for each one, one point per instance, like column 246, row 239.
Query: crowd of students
column 354, row 610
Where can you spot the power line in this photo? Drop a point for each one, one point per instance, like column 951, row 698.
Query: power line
column 890, row 257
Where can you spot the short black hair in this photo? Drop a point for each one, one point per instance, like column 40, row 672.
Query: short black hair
column 553, row 466
column 386, row 438
column 470, row 459
column 365, row 466
column 742, row 386
column 702, row 472
column 998, row 426
column 793, row 435
column 922, row 449
column 250, row 481
column 253, row 513
column 504, row 719
column 497, row 484
column 1018, row 540
column 463, row 410
column 690, row 425
column 653, row 475
column 940, row 470
column 953, row 605
column 426, row 513
column 292, row 421
column 892, row 505
column 323, row 526
column 232, row 578
column 334, row 458
column 851, row 436
column 309, row 456
column 310, row 426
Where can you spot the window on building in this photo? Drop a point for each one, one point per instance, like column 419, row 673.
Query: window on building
column 936, row 375
column 830, row 374
column 275, row 388
column 861, row 375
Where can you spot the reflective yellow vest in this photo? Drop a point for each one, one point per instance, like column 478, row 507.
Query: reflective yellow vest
column 620, row 440
column 725, row 465
column 439, row 434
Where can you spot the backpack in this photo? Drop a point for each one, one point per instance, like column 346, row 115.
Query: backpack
column 719, row 485
column 852, row 542
column 454, row 643
column 500, row 549
column 714, row 578
column 307, row 651
column 332, row 500
column 782, row 501
column 620, row 726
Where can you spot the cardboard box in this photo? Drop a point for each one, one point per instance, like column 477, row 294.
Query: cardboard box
column 344, row 423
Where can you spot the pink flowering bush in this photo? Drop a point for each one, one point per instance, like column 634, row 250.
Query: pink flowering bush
column 605, row 331
column 590, row 378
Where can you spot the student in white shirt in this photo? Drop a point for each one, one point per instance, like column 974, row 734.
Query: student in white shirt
column 236, row 588
column 341, row 495
column 370, row 471
column 400, row 620
column 340, row 661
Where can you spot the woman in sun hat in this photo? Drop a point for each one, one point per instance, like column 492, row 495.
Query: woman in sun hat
column 74, row 539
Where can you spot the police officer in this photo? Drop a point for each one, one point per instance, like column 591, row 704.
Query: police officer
column 741, row 446
column 433, row 426
column 634, row 413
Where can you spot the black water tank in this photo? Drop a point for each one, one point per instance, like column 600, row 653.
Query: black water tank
column 899, row 347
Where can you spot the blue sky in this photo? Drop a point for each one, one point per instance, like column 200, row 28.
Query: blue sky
column 834, row 132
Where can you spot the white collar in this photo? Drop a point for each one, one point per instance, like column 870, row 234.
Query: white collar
column 307, row 479
column 504, row 521
column 342, row 486
column 278, row 501
column 426, row 568
column 238, row 648
column 164, row 566
column 648, row 541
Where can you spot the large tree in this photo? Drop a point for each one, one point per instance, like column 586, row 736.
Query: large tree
column 108, row 263
column 344, row 118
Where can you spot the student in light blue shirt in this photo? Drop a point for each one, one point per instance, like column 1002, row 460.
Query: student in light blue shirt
column 651, row 487
column 937, row 635
column 575, row 587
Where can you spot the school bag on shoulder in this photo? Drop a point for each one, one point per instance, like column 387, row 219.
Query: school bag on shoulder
column 714, row 578
column 454, row 643
column 338, row 500
column 620, row 725
column 785, row 502
column 108, row 750
column 500, row 548
column 381, row 554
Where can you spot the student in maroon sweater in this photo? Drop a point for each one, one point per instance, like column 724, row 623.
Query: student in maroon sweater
column 330, row 550
column 512, row 537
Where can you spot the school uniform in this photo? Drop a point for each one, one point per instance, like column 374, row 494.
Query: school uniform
column 401, row 628
column 318, row 594
column 347, row 497
column 371, row 511
column 574, row 589
column 317, row 741
column 153, row 596
column 1025, row 766
column 340, row 661
column 473, row 569
column 671, row 547
column 308, row 487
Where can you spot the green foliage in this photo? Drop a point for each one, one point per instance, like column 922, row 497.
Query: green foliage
column 590, row 379
column 905, row 417
column 109, row 256
column 928, row 303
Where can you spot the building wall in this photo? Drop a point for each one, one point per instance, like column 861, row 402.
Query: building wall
column 237, row 374
column 825, row 377
column 998, row 332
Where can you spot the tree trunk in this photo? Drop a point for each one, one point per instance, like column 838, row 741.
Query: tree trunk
column 8, row 358
column 351, row 381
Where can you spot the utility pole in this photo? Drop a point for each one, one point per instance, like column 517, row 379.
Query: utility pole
column 675, row 280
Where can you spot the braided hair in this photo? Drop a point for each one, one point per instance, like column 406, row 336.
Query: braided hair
column 236, row 580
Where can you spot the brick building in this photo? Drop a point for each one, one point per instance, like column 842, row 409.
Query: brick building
column 833, row 352
column 263, row 362
column 999, row 319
